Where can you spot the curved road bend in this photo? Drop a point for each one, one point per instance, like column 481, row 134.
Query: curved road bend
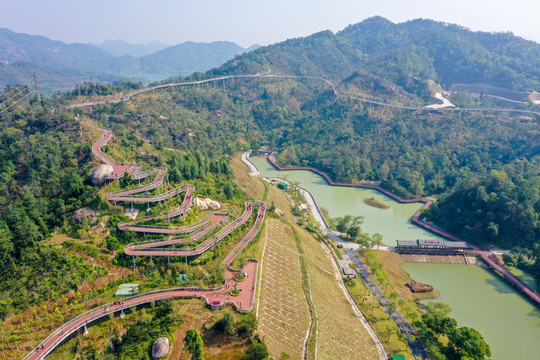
column 147, row 199
column 202, row 225
column 158, row 180
column 243, row 302
column 213, row 222
column 118, row 169
column 186, row 204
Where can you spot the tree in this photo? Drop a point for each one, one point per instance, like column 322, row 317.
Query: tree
column 463, row 343
column 350, row 225
column 194, row 344
column 467, row 343
column 228, row 190
column 225, row 325
column 257, row 350
column 377, row 239
column 248, row 324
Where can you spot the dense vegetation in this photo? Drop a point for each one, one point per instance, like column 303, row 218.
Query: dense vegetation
column 445, row 340
column 499, row 208
column 402, row 55
column 42, row 167
column 410, row 154
column 136, row 342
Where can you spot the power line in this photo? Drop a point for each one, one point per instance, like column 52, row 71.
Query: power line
column 143, row 67
column 37, row 87
column 16, row 102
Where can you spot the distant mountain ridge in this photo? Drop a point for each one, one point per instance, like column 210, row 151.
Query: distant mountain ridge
column 60, row 65
column 191, row 56
column 122, row 48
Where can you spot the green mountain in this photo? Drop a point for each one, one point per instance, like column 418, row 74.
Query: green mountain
column 60, row 66
column 56, row 55
column 405, row 55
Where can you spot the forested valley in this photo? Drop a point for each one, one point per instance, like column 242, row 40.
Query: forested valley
column 483, row 168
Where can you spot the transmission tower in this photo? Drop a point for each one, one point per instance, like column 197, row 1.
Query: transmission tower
column 143, row 68
column 36, row 81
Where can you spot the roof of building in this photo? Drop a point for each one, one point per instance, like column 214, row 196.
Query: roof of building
column 407, row 242
column 428, row 243
column 127, row 290
column 347, row 271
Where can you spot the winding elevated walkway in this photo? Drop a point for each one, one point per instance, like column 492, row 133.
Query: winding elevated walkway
column 333, row 86
column 216, row 297
column 152, row 249
column 186, row 205
column 119, row 170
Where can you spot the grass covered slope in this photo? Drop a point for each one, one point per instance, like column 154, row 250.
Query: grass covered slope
column 302, row 309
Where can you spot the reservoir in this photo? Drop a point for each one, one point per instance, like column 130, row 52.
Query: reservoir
column 479, row 299
column 392, row 223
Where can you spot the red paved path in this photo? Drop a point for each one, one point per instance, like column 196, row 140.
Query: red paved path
column 243, row 302
column 216, row 297
column 186, row 204
column 132, row 249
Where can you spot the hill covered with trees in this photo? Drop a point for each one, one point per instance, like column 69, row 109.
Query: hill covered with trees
column 403, row 55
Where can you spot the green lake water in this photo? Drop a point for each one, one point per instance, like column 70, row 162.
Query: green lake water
column 509, row 323
column 393, row 223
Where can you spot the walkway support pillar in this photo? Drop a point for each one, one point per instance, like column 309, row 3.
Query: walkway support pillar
column 169, row 261
column 148, row 206
column 134, row 262
column 152, row 263
column 132, row 209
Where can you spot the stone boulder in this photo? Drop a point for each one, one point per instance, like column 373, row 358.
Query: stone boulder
column 160, row 348
column 98, row 175
column 85, row 213
column 207, row 203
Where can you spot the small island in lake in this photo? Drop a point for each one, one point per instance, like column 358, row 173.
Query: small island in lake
column 376, row 203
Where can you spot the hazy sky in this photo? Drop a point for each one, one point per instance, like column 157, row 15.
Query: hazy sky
column 248, row 21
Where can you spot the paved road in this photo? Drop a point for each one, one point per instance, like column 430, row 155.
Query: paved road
column 252, row 166
column 415, row 345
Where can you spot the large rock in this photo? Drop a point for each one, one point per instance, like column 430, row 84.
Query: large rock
column 99, row 173
column 85, row 213
column 207, row 203
column 160, row 348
